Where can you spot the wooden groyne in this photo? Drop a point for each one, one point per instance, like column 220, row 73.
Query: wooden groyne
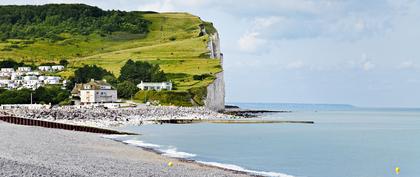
column 48, row 124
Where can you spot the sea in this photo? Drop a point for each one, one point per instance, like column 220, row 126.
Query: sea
column 344, row 141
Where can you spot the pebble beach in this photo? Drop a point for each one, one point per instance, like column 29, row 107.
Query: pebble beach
column 36, row 151
column 102, row 117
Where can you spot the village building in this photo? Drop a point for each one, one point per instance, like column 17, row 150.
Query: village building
column 158, row 86
column 7, row 70
column 57, row 68
column 33, row 73
column 24, row 69
column 94, row 92
column 52, row 80
column 45, row 68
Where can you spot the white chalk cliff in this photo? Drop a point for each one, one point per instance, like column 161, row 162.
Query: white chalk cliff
column 215, row 99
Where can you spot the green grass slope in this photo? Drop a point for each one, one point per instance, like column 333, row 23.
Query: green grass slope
column 173, row 42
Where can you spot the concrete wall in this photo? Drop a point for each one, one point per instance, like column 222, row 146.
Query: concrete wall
column 95, row 96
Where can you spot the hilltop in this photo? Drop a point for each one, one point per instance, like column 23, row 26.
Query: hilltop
column 180, row 43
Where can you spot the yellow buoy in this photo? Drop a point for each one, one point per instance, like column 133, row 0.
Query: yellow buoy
column 170, row 164
column 397, row 170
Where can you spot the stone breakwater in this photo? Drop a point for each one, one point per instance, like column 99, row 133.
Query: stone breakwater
column 101, row 117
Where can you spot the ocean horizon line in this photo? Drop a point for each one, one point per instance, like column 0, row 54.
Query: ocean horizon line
column 328, row 104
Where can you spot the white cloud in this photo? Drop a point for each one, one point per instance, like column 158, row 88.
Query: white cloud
column 295, row 65
column 407, row 65
column 253, row 38
column 159, row 6
column 265, row 22
column 250, row 42
column 368, row 65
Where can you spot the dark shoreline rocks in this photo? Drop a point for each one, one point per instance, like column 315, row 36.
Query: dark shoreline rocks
column 251, row 113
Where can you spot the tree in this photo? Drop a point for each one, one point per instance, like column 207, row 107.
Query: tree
column 15, row 96
column 111, row 79
column 50, row 94
column 138, row 71
column 10, row 64
column 127, row 89
column 86, row 73
column 51, row 20
column 64, row 62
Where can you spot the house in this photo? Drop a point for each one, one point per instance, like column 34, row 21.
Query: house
column 95, row 92
column 52, row 80
column 34, row 73
column 155, row 86
column 24, row 69
column 16, row 76
column 4, row 83
column 7, row 70
column 28, row 78
column 57, row 68
column 44, row 68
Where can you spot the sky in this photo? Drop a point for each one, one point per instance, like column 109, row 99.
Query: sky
column 364, row 53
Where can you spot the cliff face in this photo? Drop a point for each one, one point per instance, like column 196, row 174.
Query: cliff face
column 215, row 99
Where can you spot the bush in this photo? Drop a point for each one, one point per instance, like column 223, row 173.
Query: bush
column 138, row 71
column 86, row 73
column 172, row 38
column 10, row 64
column 127, row 89
column 16, row 96
column 64, row 62
column 202, row 76
column 50, row 94
column 199, row 95
column 165, row 97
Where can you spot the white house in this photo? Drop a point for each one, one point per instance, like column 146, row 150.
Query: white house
column 24, row 69
column 28, row 78
column 12, row 85
column 155, row 86
column 16, row 76
column 44, row 68
column 95, row 92
column 7, row 70
column 57, row 68
column 52, row 80
column 4, row 83
column 34, row 73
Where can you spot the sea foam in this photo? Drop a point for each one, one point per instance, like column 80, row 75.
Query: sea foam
column 172, row 152
column 113, row 137
column 238, row 168
column 141, row 144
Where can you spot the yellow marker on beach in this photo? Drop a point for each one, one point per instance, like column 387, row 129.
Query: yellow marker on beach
column 397, row 170
column 170, row 164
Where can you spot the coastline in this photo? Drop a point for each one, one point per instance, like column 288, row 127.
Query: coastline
column 111, row 118
column 187, row 157
column 34, row 151
column 111, row 122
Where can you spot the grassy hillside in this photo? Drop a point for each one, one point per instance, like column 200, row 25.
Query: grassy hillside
column 172, row 41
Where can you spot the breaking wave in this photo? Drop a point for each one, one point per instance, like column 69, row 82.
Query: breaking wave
column 174, row 153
